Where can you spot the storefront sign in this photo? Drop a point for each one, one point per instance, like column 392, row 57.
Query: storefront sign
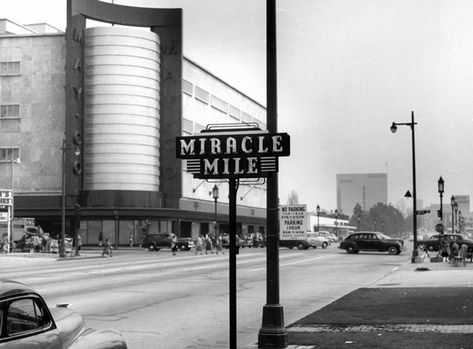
column 238, row 155
column 293, row 222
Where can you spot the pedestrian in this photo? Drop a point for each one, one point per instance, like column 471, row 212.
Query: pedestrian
column 107, row 248
column 131, row 239
column 78, row 244
column 198, row 245
column 219, row 243
column 208, row 244
column 444, row 247
column 5, row 243
column 173, row 244
column 100, row 239
column 454, row 250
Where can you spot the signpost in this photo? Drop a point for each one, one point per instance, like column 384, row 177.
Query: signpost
column 293, row 222
column 6, row 201
column 242, row 151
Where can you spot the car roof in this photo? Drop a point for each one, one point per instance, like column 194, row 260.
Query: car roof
column 10, row 288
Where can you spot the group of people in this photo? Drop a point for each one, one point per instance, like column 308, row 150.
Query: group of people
column 209, row 243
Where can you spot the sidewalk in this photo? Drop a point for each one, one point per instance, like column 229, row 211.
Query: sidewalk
column 422, row 305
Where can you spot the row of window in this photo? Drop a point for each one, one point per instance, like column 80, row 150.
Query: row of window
column 202, row 95
column 9, row 68
column 9, row 111
column 9, row 154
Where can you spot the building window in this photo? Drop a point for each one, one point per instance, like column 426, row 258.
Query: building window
column 9, row 68
column 201, row 95
column 9, row 111
column 198, row 127
column 186, row 126
column 234, row 112
column 219, row 104
column 9, row 154
column 187, row 87
column 245, row 117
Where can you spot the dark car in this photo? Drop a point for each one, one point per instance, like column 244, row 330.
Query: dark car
column 157, row 241
column 299, row 244
column 372, row 241
column 432, row 243
column 27, row 322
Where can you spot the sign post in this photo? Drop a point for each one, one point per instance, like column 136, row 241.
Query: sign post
column 6, row 201
column 243, row 151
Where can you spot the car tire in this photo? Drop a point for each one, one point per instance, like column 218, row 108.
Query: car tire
column 351, row 250
column 393, row 250
column 324, row 245
column 183, row 248
column 421, row 247
column 151, row 248
column 301, row 247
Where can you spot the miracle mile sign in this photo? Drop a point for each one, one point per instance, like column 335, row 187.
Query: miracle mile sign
column 231, row 154
column 235, row 154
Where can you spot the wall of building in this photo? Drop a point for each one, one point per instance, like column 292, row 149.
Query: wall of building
column 38, row 130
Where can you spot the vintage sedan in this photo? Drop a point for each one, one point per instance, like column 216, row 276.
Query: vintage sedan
column 299, row 244
column 317, row 241
column 432, row 242
column 27, row 323
column 157, row 241
column 372, row 241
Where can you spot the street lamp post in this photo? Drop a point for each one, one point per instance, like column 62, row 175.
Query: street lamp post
column 382, row 224
column 318, row 216
column 336, row 223
column 455, row 221
column 215, row 196
column 411, row 124
column 116, row 215
column 441, row 188
column 62, row 245
column 12, row 209
column 358, row 221
column 375, row 225
column 452, row 203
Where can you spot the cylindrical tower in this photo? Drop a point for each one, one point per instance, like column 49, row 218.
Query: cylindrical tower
column 121, row 110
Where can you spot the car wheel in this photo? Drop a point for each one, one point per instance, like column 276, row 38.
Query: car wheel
column 421, row 247
column 301, row 246
column 324, row 245
column 151, row 248
column 351, row 249
column 183, row 248
column 393, row 250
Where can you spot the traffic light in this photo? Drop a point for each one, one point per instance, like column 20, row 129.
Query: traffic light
column 439, row 214
column 78, row 210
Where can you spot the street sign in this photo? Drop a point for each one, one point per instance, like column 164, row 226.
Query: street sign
column 293, row 222
column 241, row 154
column 421, row 212
column 6, row 197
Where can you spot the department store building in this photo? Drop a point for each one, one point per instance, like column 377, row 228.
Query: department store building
column 104, row 142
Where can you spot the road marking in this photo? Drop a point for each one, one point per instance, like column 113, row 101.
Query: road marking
column 291, row 263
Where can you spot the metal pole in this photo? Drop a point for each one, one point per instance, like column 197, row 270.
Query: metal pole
column 415, row 253
column 62, row 245
column 215, row 227
column 453, row 221
column 233, row 186
column 273, row 333
column 318, row 224
column 11, row 213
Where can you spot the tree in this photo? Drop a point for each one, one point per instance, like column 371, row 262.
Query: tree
column 293, row 198
column 380, row 217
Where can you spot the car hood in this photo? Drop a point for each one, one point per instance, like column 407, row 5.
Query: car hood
column 69, row 323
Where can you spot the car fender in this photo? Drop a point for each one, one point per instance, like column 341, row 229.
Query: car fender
column 69, row 323
column 99, row 339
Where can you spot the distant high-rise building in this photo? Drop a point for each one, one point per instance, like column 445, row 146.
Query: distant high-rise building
column 366, row 189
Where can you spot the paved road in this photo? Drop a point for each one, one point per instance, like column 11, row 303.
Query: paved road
column 162, row 301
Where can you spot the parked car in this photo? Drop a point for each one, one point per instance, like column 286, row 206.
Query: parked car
column 157, row 241
column 27, row 322
column 299, row 244
column 317, row 241
column 239, row 241
column 372, row 241
column 432, row 242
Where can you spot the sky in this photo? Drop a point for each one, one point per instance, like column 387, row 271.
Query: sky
column 346, row 70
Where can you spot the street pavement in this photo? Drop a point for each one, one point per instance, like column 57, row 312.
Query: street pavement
column 434, row 275
column 409, row 275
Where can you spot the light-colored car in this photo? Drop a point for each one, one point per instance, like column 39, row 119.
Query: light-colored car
column 328, row 235
column 317, row 241
column 27, row 323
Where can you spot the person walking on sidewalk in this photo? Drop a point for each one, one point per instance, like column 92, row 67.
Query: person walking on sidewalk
column 107, row 248
column 219, row 245
column 78, row 244
column 131, row 239
column 5, row 243
column 173, row 244
column 198, row 245
column 100, row 239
